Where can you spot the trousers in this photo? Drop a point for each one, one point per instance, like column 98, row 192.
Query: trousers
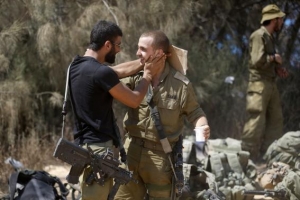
column 151, row 168
column 95, row 191
column 265, row 120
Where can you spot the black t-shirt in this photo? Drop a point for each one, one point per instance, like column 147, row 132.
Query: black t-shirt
column 90, row 84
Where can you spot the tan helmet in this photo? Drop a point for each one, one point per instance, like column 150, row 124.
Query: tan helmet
column 271, row 12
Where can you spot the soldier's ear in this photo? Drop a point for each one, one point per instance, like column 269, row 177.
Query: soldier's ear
column 158, row 53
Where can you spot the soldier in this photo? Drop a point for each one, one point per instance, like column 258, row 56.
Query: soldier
column 265, row 122
column 174, row 98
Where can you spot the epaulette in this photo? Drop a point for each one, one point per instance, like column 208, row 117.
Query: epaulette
column 181, row 77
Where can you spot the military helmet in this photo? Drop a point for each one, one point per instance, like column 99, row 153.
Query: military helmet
column 271, row 12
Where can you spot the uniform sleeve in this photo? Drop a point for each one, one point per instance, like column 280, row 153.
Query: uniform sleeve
column 190, row 104
column 132, row 81
column 259, row 58
column 128, row 81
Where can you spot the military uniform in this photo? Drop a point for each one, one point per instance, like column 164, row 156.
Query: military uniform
column 265, row 122
column 175, row 100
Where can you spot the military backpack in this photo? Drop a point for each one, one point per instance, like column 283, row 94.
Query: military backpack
column 286, row 149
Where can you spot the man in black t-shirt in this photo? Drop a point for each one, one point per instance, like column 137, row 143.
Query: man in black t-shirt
column 93, row 87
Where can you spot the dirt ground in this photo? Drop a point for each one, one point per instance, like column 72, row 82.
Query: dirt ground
column 58, row 170
column 61, row 172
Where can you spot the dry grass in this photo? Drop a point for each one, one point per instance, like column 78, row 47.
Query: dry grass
column 14, row 103
column 10, row 37
column 47, row 40
column 4, row 64
column 33, row 152
column 41, row 11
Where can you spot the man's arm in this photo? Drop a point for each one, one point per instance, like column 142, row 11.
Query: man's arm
column 127, row 68
column 257, row 51
column 128, row 97
column 258, row 54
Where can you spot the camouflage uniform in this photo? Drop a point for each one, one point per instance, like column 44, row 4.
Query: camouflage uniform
column 175, row 100
column 265, row 122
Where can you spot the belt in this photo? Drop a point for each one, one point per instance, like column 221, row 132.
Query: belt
column 147, row 144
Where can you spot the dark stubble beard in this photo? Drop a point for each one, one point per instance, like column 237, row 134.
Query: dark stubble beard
column 111, row 56
column 277, row 26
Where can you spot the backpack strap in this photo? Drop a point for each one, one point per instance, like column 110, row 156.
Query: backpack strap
column 187, row 149
column 216, row 166
column 234, row 162
column 63, row 190
column 12, row 184
column 244, row 158
column 51, row 180
column 186, row 173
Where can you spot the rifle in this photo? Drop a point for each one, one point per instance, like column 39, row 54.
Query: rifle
column 280, row 194
column 178, row 166
column 104, row 166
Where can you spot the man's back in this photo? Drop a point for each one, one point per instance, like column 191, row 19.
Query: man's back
column 90, row 82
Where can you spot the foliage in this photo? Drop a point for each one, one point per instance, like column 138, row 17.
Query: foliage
column 38, row 39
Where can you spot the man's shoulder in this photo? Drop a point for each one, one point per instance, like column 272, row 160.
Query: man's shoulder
column 179, row 76
column 259, row 32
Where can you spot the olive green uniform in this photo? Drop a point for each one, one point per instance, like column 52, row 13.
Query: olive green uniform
column 175, row 100
column 265, row 122
column 95, row 190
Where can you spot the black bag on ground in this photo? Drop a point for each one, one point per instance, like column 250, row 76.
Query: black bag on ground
column 36, row 185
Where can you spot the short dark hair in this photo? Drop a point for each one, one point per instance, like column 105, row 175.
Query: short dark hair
column 103, row 31
column 160, row 40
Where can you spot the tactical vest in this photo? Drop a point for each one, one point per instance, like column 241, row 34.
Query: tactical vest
column 231, row 167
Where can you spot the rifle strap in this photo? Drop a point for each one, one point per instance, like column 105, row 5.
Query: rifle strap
column 68, row 86
column 123, row 153
column 68, row 90
column 157, row 122
column 12, row 184
column 160, row 130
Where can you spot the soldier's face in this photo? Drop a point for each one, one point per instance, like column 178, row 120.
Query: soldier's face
column 278, row 25
column 145, row 49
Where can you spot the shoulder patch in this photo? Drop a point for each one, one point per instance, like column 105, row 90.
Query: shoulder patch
column 181, row 77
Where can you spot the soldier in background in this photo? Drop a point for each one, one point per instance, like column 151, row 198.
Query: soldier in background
column 265, row 122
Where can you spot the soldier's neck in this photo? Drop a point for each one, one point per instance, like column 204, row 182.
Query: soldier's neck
column 156, row 78
column 270, row 29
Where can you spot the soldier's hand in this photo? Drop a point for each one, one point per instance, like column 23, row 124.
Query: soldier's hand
column 206, row 132
column 154, row 63
column 278, row 58
column 282, row 72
